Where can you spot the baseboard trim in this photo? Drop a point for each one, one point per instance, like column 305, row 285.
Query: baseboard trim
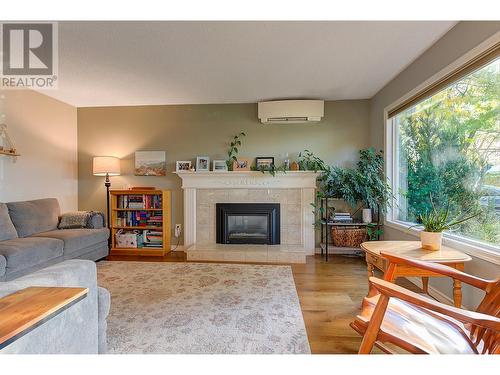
column 177, row 248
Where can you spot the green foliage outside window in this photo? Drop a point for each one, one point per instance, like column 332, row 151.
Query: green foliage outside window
column 449, row 147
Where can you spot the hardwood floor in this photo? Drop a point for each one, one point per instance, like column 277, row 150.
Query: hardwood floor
column 330, row 296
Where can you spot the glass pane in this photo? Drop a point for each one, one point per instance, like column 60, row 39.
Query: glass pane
column 247, row 226
column 448, row 147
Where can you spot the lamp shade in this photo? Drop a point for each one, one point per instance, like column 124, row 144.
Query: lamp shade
column 106, row 165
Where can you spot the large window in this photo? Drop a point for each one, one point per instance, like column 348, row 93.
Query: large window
column 447, row 146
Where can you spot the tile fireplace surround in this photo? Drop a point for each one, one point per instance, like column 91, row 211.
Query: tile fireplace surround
column 294, row 191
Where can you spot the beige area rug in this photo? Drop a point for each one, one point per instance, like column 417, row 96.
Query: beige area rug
column 202, row 308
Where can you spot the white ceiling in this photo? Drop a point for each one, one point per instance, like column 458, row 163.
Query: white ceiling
column 147, row 63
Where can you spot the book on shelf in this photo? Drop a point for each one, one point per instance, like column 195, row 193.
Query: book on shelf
column 138, row 201
column 341, row 217
column 139, row 219
column 152, row 238
column 150, row 245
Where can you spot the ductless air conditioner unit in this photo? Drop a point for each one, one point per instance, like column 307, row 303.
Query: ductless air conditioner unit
column 291, row 111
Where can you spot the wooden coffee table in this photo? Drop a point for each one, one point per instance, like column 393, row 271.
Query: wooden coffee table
column 412, row 249
column 26, row 309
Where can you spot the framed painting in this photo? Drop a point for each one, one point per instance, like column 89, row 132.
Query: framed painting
column 150, row 163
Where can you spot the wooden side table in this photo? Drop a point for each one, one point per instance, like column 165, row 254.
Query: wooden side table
column 26, row 309
column 412, row 249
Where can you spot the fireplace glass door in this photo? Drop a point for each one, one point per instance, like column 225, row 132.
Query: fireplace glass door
column 248, row 223
column 245, row 228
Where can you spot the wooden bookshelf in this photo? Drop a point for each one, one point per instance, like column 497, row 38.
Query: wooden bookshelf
column 117, row 197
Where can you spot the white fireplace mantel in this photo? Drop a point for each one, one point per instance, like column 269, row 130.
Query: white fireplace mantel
column 248, row 180
column 303, row 180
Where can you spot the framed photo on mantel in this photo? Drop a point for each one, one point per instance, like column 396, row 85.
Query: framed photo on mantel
column 219, row 166
column 262, row 161
column 202, row 164
column 242, row 164
column 182, row 166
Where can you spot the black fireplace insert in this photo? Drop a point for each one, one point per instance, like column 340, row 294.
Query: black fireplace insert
column 248, row 223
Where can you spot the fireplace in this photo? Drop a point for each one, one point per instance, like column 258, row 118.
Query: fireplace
column 248, row 223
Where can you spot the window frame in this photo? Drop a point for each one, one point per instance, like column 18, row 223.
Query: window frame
column 469, row 246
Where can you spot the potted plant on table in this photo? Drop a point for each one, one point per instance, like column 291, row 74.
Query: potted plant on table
column 434, row 222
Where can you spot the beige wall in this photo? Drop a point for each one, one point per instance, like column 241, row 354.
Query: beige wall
column 459, row 40
column 187, row 131
column 44, row 131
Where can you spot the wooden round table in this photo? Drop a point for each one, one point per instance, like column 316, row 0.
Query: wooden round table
column 412, row 249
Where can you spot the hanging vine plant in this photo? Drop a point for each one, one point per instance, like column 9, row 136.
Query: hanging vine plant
column 271, row 169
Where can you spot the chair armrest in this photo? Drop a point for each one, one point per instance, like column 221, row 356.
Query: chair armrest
column 442, row 269
column 394, row 291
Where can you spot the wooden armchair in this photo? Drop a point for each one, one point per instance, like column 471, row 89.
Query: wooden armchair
column 421, row 325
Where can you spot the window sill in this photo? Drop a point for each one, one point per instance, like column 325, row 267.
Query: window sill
column 473, row 248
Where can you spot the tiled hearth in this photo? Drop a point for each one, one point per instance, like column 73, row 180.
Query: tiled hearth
column 247, row 253
column 294, row 191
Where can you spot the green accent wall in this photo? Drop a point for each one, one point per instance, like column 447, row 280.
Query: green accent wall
column 187, row 131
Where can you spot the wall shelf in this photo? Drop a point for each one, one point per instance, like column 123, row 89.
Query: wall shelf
column 8, row 153
column 7, row 148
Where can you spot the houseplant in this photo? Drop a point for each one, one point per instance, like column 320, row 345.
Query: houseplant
column 232, row 152
column 365, row 184
column 373, row 190
column 309, row 162
column 434, row 222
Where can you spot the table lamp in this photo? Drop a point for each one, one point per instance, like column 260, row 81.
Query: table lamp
column 106, row 166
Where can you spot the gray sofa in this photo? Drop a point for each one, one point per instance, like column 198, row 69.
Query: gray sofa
column 34, row 252
column 30, row 239
column 80, row 329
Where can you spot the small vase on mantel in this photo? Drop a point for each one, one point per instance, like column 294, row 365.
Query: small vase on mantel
column 367, row 215
column 431, row 240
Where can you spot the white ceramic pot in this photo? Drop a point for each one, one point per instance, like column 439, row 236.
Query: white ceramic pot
column 367, row 215
column 431, row 240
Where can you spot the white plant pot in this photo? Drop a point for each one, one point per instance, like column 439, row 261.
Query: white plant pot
column 431, row 240
column 367, row 215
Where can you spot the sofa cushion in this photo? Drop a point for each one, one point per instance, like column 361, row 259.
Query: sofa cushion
column 7, row 229
column 21, row 253
column 76, row 239
column 81, row 219
column 35, row 216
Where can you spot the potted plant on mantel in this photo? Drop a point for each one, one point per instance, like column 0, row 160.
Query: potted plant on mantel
column 434, row 223
column 232, row 152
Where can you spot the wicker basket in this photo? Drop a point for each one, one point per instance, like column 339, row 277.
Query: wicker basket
column 347, row 237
